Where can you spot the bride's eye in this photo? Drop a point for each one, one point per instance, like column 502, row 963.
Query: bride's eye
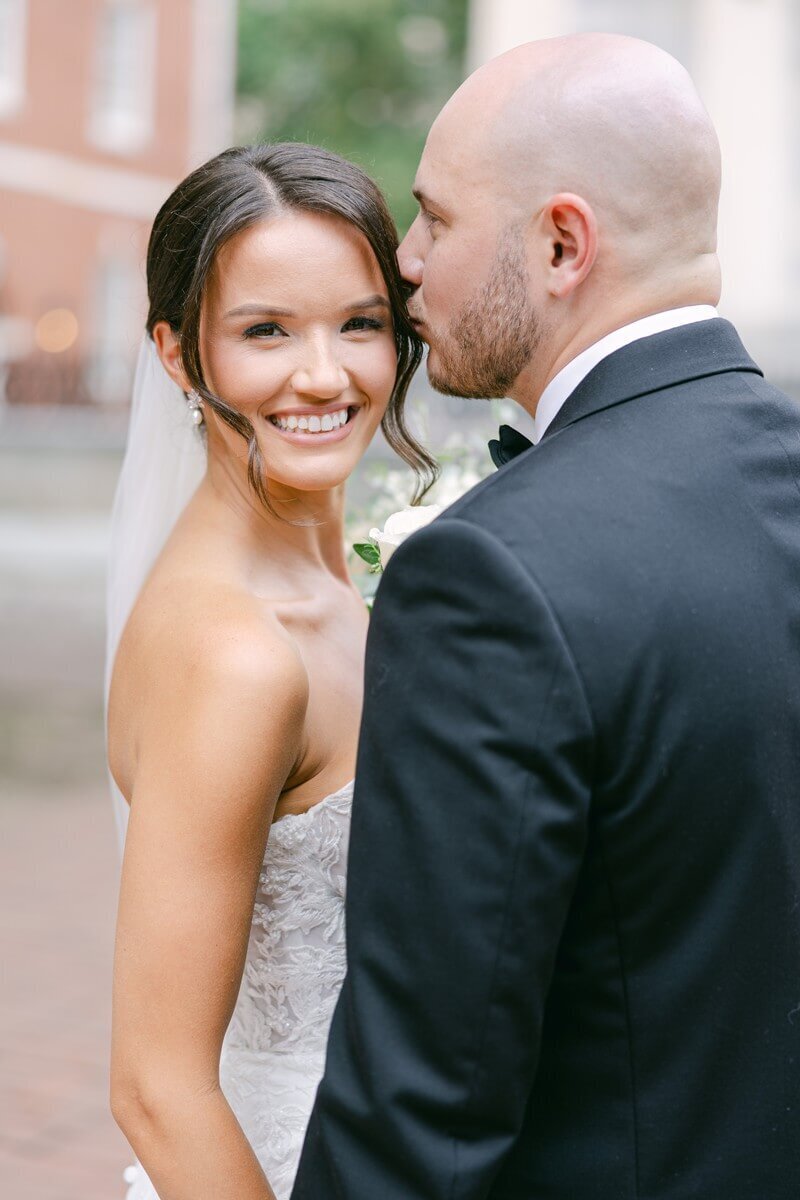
column 266, row 330
column 362, row 324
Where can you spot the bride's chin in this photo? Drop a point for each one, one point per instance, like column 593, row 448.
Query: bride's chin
column 305, row 467
column 298, row 478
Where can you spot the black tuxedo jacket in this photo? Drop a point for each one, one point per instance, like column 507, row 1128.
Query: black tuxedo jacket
column 573, row 906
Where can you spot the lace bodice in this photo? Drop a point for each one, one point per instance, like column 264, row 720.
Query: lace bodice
column 295, row 960
column 274, row 1050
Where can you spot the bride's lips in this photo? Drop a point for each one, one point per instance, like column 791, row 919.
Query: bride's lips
column 312, row 437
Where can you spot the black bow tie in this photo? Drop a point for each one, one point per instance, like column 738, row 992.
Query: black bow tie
column 509, row 444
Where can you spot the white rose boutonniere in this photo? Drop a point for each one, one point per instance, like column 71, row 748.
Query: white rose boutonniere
column 383, row 542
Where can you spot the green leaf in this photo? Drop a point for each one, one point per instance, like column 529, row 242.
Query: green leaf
column 369, row 552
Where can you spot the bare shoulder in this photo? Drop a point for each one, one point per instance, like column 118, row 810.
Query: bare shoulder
column 210, row 635
column 209, row 667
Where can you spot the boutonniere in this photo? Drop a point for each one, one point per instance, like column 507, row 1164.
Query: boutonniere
column 383, row 542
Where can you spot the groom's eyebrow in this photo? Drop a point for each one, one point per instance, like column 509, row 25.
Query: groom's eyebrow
column 423, row 200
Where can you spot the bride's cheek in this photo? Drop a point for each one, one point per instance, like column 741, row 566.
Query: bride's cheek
column 253, row 383
column 383, row 376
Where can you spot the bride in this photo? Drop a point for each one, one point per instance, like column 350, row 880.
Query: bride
column 277, row 328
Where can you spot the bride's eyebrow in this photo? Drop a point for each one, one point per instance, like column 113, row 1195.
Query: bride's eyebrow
column 376, row 301
column 266, row 310
column 258, row 310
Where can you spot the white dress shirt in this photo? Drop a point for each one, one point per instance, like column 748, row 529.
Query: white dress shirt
column 562, row 385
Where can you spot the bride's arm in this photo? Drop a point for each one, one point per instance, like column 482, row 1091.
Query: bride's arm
column 225, row 707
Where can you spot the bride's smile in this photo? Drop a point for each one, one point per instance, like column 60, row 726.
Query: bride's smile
column 309, row 421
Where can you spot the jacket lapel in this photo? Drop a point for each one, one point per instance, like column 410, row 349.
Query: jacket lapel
column 653, row 363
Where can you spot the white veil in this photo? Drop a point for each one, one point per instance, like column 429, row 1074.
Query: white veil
column 165, row 460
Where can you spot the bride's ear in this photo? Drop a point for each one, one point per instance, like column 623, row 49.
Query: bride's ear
column 169, row 351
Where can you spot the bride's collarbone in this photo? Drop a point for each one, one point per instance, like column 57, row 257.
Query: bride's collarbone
column 329, row 635
column 319, row 606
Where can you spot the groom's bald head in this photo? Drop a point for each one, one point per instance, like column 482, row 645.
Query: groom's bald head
column 613, row 119
column 590, row 157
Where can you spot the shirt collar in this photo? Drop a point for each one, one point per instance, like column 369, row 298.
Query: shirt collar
column 562, row 385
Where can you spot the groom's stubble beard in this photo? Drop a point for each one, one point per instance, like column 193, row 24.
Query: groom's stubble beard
column 494, row 336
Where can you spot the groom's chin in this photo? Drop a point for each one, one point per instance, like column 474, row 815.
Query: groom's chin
column 444, row 384
column 451, row 384
column 446, row 387
column 445, row 381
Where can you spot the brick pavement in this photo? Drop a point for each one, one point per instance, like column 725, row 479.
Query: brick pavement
column 58, row 874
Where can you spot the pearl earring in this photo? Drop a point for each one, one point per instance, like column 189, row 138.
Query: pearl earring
column 195, row 407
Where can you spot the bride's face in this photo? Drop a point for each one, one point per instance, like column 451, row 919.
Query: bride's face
column 296, row 334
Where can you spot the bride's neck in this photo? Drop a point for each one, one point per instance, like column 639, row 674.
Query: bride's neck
column 303, row 535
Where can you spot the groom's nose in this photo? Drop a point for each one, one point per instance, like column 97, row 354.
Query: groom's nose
column 409, row 259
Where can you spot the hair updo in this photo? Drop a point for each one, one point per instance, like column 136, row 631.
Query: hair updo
column 237, row 189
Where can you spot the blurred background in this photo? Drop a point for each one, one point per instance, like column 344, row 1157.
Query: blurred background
column 104, row 106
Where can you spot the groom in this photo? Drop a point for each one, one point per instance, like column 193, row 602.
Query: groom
column 574, row 894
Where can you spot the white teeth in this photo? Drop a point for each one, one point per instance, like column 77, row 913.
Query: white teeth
column 314, row 424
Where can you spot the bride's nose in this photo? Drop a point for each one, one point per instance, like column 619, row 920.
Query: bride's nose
column 323, row 376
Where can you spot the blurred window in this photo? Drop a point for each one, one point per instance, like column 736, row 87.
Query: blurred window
column 13, row 21
column 123, row 99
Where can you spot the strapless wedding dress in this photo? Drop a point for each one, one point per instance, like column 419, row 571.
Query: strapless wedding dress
column 274, row 1050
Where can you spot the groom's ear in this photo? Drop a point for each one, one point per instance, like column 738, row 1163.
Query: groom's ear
column 571, row 230
column 169, row 351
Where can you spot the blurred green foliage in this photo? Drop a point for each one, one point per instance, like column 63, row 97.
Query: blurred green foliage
column 364, row 78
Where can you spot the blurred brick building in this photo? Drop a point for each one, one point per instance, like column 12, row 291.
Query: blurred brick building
column 104, row 106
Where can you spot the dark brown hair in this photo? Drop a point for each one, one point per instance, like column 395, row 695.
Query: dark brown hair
column 236, row 189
